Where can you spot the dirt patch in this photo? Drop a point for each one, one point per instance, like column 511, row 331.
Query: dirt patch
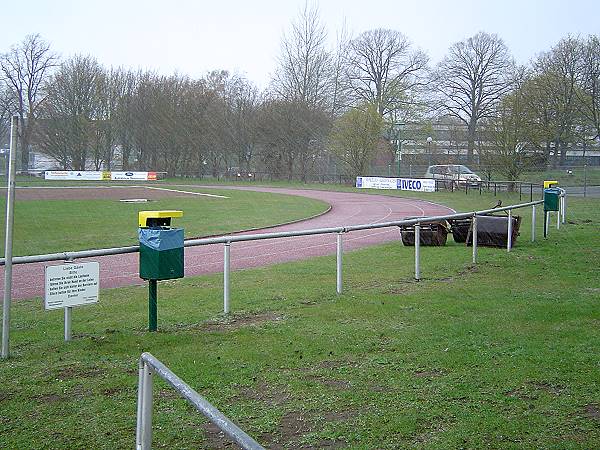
column 236, row 322
column 111, row 392
column 94, row 193
column 79, row 372
column 337, row 384
column 264, row 393
column 531, row 390
column 214, row 438
column 292, row 428
column 592, row 411
column 48, row 398
column 339, row 416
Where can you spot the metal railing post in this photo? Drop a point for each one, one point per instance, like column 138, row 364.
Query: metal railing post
column 339, row 263
column 417, row 251
column 226, row 270
column 510, row 228
column 144, row 408
column 8, row 241
column 140, row 405
column 532, row 223
column 474, row 238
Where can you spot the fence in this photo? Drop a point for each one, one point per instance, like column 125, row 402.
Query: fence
column 227, row 241
column 148, row 366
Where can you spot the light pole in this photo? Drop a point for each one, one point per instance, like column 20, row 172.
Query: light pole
column 429, row 139
column 398, row 147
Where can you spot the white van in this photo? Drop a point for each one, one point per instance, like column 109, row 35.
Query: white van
column 453, row 173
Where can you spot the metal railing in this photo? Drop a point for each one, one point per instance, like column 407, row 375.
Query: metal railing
column 148, row 366
column 230, row 239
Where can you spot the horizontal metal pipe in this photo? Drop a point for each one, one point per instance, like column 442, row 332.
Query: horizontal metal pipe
column 201, row 404
column 255, row 237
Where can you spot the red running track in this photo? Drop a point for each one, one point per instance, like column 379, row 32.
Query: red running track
column 346, row 209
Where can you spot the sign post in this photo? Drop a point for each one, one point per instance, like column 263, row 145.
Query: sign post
column 71, row 285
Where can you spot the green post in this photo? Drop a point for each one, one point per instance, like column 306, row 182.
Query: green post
column 152, row 305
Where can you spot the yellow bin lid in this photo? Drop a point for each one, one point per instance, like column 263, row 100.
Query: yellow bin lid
column 144, row 215
column 550, row 183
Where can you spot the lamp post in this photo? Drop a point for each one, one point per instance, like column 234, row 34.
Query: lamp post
column 398, row 147
column 429, row 139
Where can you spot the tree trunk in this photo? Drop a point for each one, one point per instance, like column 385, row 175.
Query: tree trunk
column 471, row 131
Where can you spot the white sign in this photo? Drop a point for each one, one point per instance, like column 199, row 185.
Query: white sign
column 133, row 176
column 403, row 184
column 71, row 285
column 87, row 175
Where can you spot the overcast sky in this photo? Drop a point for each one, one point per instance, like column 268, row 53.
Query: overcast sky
column 193, row 37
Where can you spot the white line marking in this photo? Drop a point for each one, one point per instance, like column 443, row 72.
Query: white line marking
column 183, row 192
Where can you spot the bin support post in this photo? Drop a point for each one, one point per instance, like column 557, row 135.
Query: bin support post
column 564, row 206
column 474, row 238
column 533, row 223
column 144, row 408
column 559, row 213
column 546, row 222
column 417, row 251
column 68, row 313
column 510, row 228
column 152, row 293
column 339, row 263
column 226, row 270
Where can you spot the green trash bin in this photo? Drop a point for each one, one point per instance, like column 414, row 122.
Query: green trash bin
column 551, row 199
column 161, row 253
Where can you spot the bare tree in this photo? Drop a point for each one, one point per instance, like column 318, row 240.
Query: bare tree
column 355, row 136
column 589, row 94
column 556, row 79
column 471, row 79
column 508, row 133
column 25, row 69
column 383, row 69
column 304, row 64
column 70, row 112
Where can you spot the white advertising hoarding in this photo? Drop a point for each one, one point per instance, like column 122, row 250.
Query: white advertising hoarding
column 403, row 184
column 90, row 175
column 71, row 285
column 87, row 175
column 138, row 176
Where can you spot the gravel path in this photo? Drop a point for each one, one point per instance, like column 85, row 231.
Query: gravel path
column 346, row 209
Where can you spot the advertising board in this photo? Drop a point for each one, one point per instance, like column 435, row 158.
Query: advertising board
column 86, row 175
column 403, row 184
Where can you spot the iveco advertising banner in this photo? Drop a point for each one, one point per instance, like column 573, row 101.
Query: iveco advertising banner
column 403, row 184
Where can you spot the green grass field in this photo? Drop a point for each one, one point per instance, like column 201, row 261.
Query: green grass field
column 501, row 355
column 46, row 226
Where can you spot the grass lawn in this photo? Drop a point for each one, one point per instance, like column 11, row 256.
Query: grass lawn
column 46, row 226
column 501, row 355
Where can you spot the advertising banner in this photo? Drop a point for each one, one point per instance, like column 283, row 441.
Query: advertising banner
column 403, row 184
column 86, row 175
column 138, row 176
column 89, row 175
